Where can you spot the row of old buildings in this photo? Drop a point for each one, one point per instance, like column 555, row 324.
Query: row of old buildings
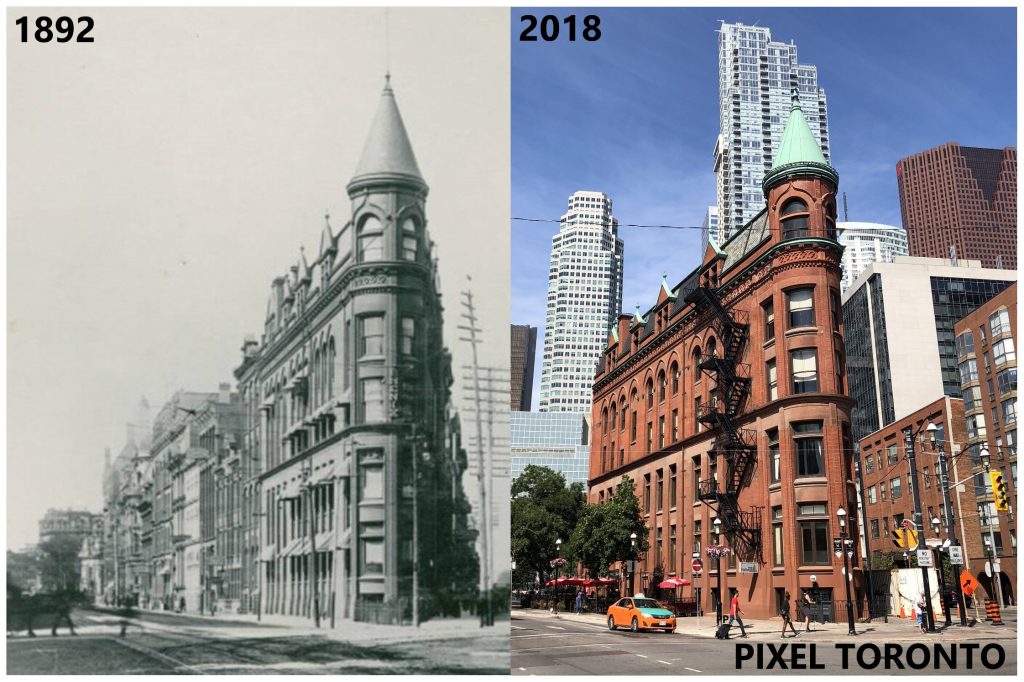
column 328, row 485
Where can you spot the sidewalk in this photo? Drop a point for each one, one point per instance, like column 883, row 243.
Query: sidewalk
column 895, row 630
column 232, row 626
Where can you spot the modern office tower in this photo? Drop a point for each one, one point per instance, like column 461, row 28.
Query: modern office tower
column 867, row 243
column 584, row 296
column 709, row 228
column 756, row 77
column 899, row 321
column 556, row 440
column 963, row 198
column 524, row 351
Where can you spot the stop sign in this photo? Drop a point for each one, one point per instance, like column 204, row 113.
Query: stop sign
column 697, row 566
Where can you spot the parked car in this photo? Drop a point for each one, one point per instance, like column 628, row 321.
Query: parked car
column 640, row 613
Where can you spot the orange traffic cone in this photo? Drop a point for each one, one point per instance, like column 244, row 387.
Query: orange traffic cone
column 913, row 613
column 903, row 613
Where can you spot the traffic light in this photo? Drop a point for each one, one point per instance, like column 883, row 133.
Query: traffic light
column 905, row 538
column 999, row 490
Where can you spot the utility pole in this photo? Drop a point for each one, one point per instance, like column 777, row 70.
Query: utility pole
column 908, row 440
column 415, row 530
column 947, row 507
column 864, row 528
column 308, row 485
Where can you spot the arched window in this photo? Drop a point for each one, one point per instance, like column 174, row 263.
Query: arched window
column 830, row 222
column 604, row 419
column 371, row 240
column 622, row 413
column 675, row 378
column 611, row 425
column 650, row 393
column 696, row 365
column 410, row 240
column 794, row 219
column 330, row 368
column 661, row 386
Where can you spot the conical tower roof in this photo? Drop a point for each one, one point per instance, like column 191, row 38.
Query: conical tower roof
column 799, row 152
column 387, row 155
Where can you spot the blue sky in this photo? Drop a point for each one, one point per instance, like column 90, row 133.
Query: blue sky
column 635, row 115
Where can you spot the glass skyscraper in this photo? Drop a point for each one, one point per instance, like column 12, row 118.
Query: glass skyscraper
column 556, row 440
column 756, row 77
column 867, row 243
column 584, row 298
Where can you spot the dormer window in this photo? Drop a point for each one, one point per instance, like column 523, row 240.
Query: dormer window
column 794, row 219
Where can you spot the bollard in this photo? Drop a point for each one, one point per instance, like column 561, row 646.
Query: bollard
column 992, row 612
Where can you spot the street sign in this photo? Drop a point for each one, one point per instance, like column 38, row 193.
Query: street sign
column 956, row 555
column 924, row 557
column 968, row 584
column 748, row 567
column 697, row 566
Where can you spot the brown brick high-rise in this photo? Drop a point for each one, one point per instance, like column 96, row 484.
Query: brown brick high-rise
column 964, row 197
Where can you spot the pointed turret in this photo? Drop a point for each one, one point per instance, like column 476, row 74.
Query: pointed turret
column 327, row 244
column 305, row 274
column 799, row 152
column 387, row 156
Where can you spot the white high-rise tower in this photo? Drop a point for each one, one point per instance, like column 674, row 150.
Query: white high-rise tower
column 584, row 297
column 756, row 77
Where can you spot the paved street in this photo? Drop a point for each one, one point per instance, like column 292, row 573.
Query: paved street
column 543, row 644
column 161, row 643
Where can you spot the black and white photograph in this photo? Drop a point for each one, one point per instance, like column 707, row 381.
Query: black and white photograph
column 257, row 347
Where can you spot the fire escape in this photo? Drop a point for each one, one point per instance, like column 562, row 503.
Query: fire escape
column 737, row 446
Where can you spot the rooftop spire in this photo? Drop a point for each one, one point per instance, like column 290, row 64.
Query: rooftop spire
column 387, row 155
column 799, row 151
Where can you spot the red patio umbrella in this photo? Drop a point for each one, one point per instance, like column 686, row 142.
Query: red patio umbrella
column 673, row 583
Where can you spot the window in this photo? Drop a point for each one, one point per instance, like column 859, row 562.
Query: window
column 371, row 335
column 801, row 307
column 872, row 495
column 895, row 488
column 839, row 365
column 837, row 309
column 672, row 486
column 804, row 367
column 976, row 426
column 675, row 379
column 794, row 219
column 774, row 456
column 408, row 340
column 696, row 536
column 869, row 464
column 373, row 555
column 815, row 548
column 675, row 426
column 892, row 454
column 999, row 322
column 371, row 240
column 773, row 381
column 633, row 427
column 696, row 479
column 647, row 493
column 371, row 397
column 1003, row 351
column 1009, row 412
column 927, row 480
column 972, row 398
column 1007, row 380
column 410, row 241
column 371, row 478
column 778, row 555
column 650, row 436
column 672, row 548
column 874, row 528
column 807, row 439
column 660, row 491
column 964, row 344
column 650, row 393
column 661, row 387
column 661, row 432
column 768, row 313
column 968, row 371
column 881, row 491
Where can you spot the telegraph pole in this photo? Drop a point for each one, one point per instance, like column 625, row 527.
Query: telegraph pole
column 947, row 506
column 864, row 529
column 908, row 441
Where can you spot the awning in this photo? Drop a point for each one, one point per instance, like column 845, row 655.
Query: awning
column 268, row 553
column 344, row 539
column 324, row 476
column 291, row 547
column 324, row 541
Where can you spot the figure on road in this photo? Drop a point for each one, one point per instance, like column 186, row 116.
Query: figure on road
column 786, row 620
column 736, row 613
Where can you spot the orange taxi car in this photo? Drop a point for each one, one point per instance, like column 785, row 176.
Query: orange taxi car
column 640, row 613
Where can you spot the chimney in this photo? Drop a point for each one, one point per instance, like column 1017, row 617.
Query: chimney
column 624, row 321
column 249, row 346
column 225, row 393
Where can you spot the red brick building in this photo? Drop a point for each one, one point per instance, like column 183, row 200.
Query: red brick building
column 986, row 352
column 964, row 197
column 727, row 401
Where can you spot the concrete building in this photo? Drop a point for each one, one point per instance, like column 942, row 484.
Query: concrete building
column 986, row 351
column 899, row 344
column 755, row 78
column 556, row 440
column 73, row 524
column 584, row 295
column 62, row 535
column 726, row 400
column 524, row 352
column 867, row 243
column 358, row 489
column 962, row 198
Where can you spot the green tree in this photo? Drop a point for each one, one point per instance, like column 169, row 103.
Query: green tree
column 602, row 537
column 59, row 562
column 544, row 509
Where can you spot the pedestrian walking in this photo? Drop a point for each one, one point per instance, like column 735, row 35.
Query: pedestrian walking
column 786, row 620
column 579, row 602
column 806, row 610
column 736, row 613
column 922, row 604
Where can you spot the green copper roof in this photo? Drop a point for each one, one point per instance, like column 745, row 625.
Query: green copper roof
column 637, row 317
column 799, row 151
column 716, row 247
column 665, row 287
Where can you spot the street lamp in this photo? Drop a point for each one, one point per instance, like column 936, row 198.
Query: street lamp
column 942, row 578
column 847, row 548
column 716, row 527
column 985, row 462
column 937, row 445
column 558, row 565
column 632, row 564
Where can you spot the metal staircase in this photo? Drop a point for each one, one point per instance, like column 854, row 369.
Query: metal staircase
column 737, row 446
